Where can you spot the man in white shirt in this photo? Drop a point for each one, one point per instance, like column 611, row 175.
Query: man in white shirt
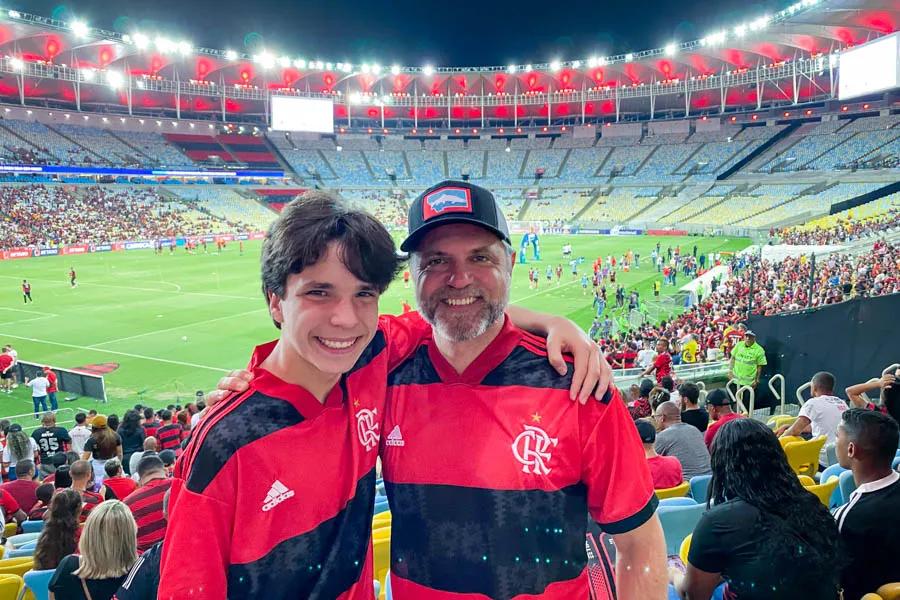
column 646, row 355
column 821, row 414
column 38, row 387
column 80, row 433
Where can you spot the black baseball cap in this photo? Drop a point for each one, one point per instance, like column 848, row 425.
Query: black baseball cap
column 718, row 397
column 454, row 202
column 646, row 430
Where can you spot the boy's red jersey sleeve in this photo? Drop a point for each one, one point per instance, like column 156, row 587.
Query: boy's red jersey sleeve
column 402, row 335
column 620, row 489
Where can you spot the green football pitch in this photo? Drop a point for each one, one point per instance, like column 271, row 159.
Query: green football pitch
column 168, row 326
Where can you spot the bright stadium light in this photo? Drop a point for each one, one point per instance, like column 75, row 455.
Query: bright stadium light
column 265, row 60
column 592, row 62
column 80, row 28
column 366, row 68
column 428, row 70
column 670, row 49
column 740, row 30
column 760, row 23
column 555, row 66
column 140, row 40
column 376, row 69
column 529, row 68
column 395, row 70
column 284, row 61
column 320, row 65
column 346, row 68
column 355, row 98
column 164, row 44
column 629, row 57
column 299, row 63
column 17, row 64
column 184, row 48
column 115, row 79
column 576, row 64
column 88, row 74
column 329, row 66
column 231, row 55
column 511, row 69
column 14, row 14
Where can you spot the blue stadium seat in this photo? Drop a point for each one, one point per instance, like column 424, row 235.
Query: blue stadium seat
column 684, row 501
column 32, row 526
column 847, row 485
column 37, row 582
column 700, row 487
column 19, row 552
column 22, row 538
column 836, row 471
column 678, row 522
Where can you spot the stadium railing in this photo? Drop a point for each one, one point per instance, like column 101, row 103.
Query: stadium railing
column 72, row 382
column 693, row 372
column 65, row 417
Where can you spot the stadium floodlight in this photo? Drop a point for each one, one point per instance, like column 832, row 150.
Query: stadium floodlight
column 428, row 70
column 740, row 30
column 348, row 68
column 140, row 40
column 592, row 62
column 386, row 99
column 760, row 23
column 164, row 45
column 555, row 66
column 88, row 74
column 299, row 63
column 366, row 68
column 395, row 70
column 355, row 98
column 329, row 66
column 184, row 48
column 320, row 65
column 140, row 84
column 14, row 14
column 265, row 60
column 80, row 28
column 17, row 64
column 576, row 64
column 284, row 61
column 115, row 79
column 231, row 55
column 629, row 57
column 529, row 68
column 376, row 69
column 511, row 69
column 670, row 49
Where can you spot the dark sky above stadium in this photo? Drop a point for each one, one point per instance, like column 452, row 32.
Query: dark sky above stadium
column 414, row 33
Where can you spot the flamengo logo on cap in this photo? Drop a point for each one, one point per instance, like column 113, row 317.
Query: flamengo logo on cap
column 395, row 438
column 445, row 200
column 278, row 493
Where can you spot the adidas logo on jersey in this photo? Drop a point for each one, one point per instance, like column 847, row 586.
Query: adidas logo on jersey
column 395, row 438
column 278, row 493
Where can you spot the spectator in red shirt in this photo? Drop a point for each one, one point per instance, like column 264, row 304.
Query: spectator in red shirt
column 52, row 388
column 150, row 423
column 641, row 407
column 44, row 494
column 665, row 470
column 116, row 479
column 146, row 503
column 720, row 410
column 10, row 507
column 6, row 371
column 24, row 486
column 662, row 364
column 82, row 478
column 60, row 534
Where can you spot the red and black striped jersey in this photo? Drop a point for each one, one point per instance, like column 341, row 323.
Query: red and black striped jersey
column 146, row 505
column 169, row 436
column 492, row 474
column 274, row 494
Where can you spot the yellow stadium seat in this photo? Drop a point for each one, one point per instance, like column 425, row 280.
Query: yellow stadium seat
column 889, row 591
column 10, row 586
column 678, row 491
column 381, row 546
column 789, row 439
column 823, row 490
column 685, row 548
column 803, row 457
column 16, row 566
column 777, row 421
column 10, row 529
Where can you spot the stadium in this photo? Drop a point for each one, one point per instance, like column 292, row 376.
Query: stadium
column 719, row 217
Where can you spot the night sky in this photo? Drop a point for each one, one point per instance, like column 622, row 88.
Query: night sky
column 461, row 33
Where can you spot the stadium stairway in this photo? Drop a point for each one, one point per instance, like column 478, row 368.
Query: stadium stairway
column 285, row 165
column 525, row 205
column 738, row 165
column 137, row 151
column 595, row 194
column 25, row 143
column 811, row 190
column 102, row 159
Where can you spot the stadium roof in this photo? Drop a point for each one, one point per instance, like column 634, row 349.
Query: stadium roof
column 68, row 62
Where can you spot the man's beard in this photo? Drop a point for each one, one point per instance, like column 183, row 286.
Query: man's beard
column 462, row 327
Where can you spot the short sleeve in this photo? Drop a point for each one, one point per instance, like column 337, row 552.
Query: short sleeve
column 761, row 359
column 808, row 410
column 6, row 454
column 402, row 335
column 89, row 444
column 10, row 506
column 63, row 435
column 620, row 489
column 709, row 545
column 61, row 582
column 118, row 440
column 34, row 446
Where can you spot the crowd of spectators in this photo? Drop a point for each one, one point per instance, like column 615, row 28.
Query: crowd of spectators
column 52, row 215
column 842, row 232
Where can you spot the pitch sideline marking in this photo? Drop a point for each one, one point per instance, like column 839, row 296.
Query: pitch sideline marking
column 128, row 354
column 132, row 337
column 141, row 289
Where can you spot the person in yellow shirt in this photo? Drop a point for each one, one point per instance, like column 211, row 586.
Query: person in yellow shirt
column 690, row 351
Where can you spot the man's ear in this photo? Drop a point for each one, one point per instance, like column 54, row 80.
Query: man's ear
column 852, row 450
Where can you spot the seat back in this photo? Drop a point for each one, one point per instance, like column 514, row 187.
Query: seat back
column 803, row 457
column 700, row 487
column 37, row 582
column 20, row 552
column 833, row 471
column 824, row 490
column 678, row 491
column 16, row 566
column 678, row 522
column 381, row 520
column 23, row 538
column 381, row 555
column 32, row 526
column 682, row 501
column 11, row 586
column 847, row 485
column 685, row 548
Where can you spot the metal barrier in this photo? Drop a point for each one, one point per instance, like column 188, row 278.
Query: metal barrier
column 778, row 397
column 800, row 400
column 884, row 372
column 691, row 372
column 739, row 397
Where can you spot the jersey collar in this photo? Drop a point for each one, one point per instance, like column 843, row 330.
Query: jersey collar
column 879, row 484
column 489, row 359
column 267, row 383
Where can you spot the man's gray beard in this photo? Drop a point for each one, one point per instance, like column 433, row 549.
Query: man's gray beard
column 462, row 330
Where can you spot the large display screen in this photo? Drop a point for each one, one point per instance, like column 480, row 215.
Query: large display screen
column 869, row 68
column 302, row 114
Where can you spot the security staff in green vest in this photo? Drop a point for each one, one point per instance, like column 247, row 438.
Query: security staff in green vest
column 747, row 361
